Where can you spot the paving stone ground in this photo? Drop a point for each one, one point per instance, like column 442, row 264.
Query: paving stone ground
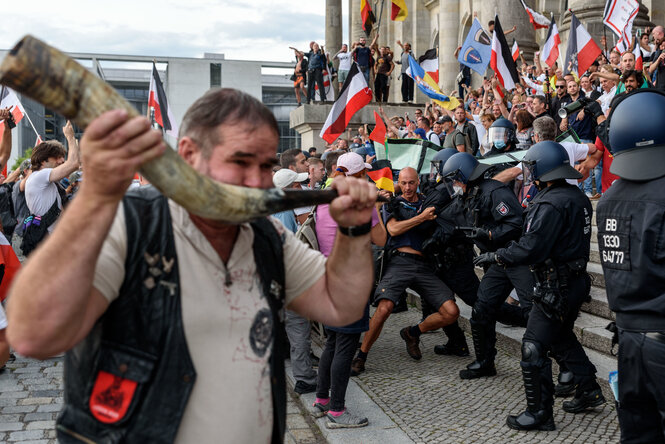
column 31, row 395
column 426, row 399
column 429, row 401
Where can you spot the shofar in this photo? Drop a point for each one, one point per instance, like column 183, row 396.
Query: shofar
column 58, row 82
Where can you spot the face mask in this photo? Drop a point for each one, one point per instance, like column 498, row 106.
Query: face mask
column 499, row 144
column 458, row 190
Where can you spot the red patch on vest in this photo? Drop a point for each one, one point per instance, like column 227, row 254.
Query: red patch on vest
column 111, row 397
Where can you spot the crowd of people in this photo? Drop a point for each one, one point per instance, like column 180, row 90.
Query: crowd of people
column 156, row 301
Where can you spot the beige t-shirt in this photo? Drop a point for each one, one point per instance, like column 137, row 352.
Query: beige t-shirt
column 231, row 399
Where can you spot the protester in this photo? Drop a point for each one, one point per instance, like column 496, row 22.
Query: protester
column 224, row 324
column 43, row 195
column 341, row 342
column 407, row 81
column 298, row 77
column 345, row 60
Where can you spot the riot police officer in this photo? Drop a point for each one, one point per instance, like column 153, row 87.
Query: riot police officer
column 502, row 135
column 493, row 218
column 555, row 242
column 450, row 251
column 631, row 239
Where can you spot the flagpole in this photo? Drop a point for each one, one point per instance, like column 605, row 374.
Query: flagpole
column 378, row 26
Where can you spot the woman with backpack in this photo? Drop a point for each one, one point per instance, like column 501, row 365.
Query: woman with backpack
column 341, row 343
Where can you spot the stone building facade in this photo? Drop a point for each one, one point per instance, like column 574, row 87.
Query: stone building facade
column 445, row 23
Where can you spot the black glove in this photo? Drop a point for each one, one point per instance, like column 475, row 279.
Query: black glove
column 10, row 121
column 594, row 109
column 479, row 233
column 485, row 259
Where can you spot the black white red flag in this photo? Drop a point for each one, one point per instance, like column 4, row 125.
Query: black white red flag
column 550, row 52
column 157, row 100
column 502, row 59
column 354, row 96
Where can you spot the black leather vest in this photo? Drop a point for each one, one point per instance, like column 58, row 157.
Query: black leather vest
column 130, row 379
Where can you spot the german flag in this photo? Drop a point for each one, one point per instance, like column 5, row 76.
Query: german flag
column 399, row 11
column 382, row 175
column 367, row 16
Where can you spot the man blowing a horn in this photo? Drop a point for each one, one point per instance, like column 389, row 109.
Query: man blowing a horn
column 174, row 323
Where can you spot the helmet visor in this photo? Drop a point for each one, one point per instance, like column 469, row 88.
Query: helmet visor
column 498, row 134
column 434, row 171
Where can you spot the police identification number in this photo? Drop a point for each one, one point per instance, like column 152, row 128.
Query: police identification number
column 614, row 242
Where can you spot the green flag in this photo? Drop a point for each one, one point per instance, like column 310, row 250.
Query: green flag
column 380, row 151
column 414, row 153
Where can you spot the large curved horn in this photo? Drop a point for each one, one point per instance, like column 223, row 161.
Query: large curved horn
column 50, row 77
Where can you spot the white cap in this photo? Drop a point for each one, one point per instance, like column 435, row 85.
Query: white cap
column 285, row 178
column 353, row 163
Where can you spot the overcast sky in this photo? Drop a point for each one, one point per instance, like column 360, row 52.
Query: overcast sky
column 248, row 30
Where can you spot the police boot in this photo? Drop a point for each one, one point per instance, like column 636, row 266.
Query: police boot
column 484, row 363
column 456, row 344
column 565, row 386
column 587, row 396
column 537, row 375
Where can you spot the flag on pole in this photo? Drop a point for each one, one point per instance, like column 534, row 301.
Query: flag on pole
column 501, row 61
column 515, row 50
column 11, row 265
column 367, row 16
column 378, row 134
column 477, row 49
column 157, row 100
column 38, row 140
column 624, row 43
column 639, row 61
column 354, row 95
column 399, row 10
column 428, row 86
column 582, row 49
column 538, row 20
column 550, row 52
column 430, row 63
column 9, row 99
column 329, row 93
column 618, row 13
column 382, row 175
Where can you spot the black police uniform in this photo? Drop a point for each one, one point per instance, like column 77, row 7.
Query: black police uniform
column 631, row 239
column 452, row 253
column 556, row 242
column 493, row 206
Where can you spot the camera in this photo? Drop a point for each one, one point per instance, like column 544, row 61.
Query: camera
column 580, row 103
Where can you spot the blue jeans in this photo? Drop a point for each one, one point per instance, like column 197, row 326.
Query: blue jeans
column 596, row 174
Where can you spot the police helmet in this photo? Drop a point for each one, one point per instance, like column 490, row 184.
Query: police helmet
column 502, row 133
column 441, row 157
column 638, row 144
column 549, row 161
column 463, row 167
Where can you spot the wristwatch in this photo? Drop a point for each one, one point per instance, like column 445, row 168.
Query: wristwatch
column 356, row 230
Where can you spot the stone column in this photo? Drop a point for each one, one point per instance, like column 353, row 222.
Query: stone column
column 334, row 31
column 657, row 10
column 356, row 22
column 449, row 19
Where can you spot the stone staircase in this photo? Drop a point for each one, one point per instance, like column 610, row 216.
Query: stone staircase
column 589, row 326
